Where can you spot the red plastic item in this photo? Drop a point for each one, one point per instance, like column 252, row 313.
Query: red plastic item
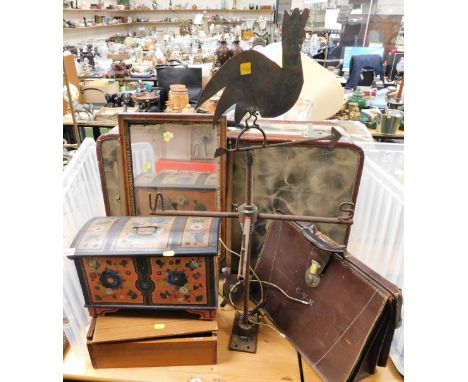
column 183, row 165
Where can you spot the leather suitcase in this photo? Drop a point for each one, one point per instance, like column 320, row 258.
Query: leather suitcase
column 307, row 179
column 110, row 171
column 348, row 326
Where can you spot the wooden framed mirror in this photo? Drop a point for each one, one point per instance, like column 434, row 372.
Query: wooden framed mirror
column 173, row 154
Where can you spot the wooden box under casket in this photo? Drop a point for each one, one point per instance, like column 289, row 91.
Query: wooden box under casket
column 163, row 340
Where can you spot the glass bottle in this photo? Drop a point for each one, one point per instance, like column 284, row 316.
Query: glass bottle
column 222, row 53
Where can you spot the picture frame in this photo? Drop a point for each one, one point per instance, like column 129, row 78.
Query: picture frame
column 176, row 149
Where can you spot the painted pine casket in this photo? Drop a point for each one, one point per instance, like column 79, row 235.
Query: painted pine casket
column 153, row 262
column 181, row 190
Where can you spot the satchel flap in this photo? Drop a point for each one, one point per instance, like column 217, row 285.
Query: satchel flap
column 323, row 248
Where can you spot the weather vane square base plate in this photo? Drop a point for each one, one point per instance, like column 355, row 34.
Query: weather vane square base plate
column 242, row 339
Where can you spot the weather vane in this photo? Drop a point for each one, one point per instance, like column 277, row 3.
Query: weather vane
column 255, row 84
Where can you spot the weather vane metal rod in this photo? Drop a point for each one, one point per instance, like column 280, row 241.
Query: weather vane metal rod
column 345, row 219
column 250, row 81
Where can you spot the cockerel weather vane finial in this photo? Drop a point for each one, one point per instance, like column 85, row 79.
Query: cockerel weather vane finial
column 256, row 84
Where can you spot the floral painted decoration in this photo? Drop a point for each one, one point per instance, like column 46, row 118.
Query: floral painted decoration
column 179, row 281
column 112, row 279
column 167, row 136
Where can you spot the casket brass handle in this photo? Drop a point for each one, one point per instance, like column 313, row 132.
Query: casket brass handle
column 153, row 208
column 150, row 229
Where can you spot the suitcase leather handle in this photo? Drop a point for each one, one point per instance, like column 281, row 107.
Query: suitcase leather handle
column 312, row 234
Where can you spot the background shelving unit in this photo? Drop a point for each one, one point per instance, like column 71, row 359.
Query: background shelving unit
column 168, row 10
column 81, row 34
column 131, row 24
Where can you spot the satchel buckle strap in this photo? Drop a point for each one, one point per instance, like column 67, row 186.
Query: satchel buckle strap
column 316, row 270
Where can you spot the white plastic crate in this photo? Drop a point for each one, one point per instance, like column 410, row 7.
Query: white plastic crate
column 82, row 200
column 82, row 193
column 377, row 235
column 388, row 156
column 74, row 311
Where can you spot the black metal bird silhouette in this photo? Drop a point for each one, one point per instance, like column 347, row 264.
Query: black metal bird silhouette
column 257, row 84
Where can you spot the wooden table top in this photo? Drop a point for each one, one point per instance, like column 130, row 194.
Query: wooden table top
column 384, row 374
column 108, row 124
column 275, row 360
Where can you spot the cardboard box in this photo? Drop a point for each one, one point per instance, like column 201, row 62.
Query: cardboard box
column 119, row 56
column 110, row 113
column 97, row 96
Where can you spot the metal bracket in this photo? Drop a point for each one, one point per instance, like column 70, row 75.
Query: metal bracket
column 246, row 210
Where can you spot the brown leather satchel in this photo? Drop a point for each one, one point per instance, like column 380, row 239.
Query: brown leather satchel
column 347, row 328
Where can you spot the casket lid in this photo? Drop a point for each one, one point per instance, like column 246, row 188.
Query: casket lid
column 147, row 236
column 145, row 326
